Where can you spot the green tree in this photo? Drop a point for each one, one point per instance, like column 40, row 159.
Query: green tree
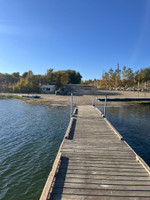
column 74, row 77
column 15, row 77
column 24, row 75
column 145, row 73
column 50, row 77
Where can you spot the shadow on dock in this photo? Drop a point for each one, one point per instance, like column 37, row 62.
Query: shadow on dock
column 71, row 134
column 76, row 111
column 60, row 179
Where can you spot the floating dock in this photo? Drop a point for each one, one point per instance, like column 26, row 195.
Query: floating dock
column 31, row 96
column 124, row 99
column 95, row 163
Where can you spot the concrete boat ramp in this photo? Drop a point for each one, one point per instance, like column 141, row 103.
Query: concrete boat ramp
column 94, row 162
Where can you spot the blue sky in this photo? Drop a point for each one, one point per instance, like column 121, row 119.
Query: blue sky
column 89, row 36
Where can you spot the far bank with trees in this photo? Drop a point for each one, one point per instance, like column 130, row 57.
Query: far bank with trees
column 31, row 83
column 122, row 79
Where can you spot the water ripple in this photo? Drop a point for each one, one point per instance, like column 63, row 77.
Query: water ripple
column 30, row 136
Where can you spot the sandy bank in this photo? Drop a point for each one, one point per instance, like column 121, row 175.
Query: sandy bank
column 83, row 95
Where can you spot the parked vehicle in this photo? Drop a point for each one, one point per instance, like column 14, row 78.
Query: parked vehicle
column 61, row 91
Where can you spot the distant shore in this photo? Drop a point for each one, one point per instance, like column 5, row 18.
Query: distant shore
column 82, row 96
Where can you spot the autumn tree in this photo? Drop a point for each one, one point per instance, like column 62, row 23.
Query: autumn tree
column 61, row 78
column 128, row 77
column 105, row 80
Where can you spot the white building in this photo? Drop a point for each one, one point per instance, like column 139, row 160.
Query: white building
column 48, row 89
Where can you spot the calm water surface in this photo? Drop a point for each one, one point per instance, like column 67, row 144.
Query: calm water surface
column 30, row 136
column 133, row 123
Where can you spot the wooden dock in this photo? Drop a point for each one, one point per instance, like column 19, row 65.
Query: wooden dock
column 94, row 162
column 125, row 99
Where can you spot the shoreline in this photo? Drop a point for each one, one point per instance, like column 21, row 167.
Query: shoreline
column 36, row 101
column 58, row 100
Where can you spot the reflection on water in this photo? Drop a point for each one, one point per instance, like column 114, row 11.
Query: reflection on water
column 133, row 123
column 30, row 136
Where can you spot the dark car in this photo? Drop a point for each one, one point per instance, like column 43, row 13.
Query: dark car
column 62, row 91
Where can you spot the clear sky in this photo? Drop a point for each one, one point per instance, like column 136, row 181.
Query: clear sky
column 89, row 36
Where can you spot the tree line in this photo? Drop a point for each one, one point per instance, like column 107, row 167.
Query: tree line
column 29, row 82
column 124, row 77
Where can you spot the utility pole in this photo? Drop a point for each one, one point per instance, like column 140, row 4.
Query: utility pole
column 71, row 108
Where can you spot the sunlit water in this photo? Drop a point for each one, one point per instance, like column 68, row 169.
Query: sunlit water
column 133, row 123
column 30, row 136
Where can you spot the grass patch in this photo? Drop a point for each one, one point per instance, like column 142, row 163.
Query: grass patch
column 26, row 99
column 10, row 96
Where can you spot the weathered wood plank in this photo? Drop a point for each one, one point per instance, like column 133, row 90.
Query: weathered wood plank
column 93, row 181
column 106, row 163
column 99, row 158
column 103, row 173
column 102, row 192
column 89, row 197
column 87, row 152
column 104, row 169
column 102, row 176
column 102, row 186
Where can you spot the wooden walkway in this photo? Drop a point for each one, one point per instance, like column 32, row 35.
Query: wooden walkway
column 95, row 163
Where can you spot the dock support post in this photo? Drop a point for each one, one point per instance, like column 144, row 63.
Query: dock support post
column 105, row 106
column 71, row 109
column 145, row 89
column 138, row 88
column 77, row 100
column 93, row 104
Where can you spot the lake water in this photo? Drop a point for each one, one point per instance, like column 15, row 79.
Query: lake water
column 133, row 123
column 30, row 136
